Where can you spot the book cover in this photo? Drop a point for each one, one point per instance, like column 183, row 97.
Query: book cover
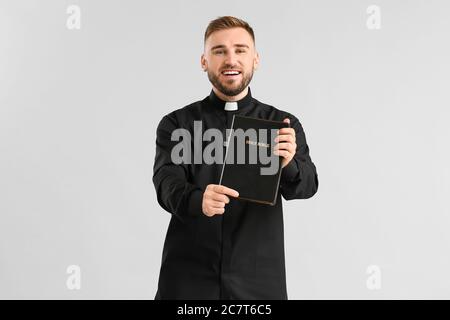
column 250, row 166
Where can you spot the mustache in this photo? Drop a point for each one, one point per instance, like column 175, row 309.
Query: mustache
column 231, row 68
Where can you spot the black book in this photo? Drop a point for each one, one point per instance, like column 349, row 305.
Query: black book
column 250, row 166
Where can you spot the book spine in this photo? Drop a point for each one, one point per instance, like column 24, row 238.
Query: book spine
column 226, row 151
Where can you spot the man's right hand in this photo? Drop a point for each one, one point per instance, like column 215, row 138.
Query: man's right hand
column 215, row 198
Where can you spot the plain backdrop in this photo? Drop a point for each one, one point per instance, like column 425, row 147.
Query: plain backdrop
column 78, row 116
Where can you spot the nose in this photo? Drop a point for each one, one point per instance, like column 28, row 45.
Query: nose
column 231, row 59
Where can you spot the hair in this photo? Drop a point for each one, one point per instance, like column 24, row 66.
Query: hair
column 227, row 22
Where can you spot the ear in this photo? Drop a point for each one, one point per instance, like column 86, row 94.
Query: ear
column 203, row 62
column 256, row 61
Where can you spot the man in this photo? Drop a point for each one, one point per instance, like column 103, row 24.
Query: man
column 217, row 246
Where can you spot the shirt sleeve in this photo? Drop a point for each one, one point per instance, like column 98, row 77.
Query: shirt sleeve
column 299, row 178
column 174, row 192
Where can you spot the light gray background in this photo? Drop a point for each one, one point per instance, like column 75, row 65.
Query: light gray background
column 78, row 117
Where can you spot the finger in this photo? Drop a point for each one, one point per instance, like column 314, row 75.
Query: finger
column 284, row 137
column 217, row 210
column 286, row 131
column 217, row 204
column 283, row 153
column 286, row 120
column 293, row 148
column 283, row 146
column 289, row 146
column 225, row 190
column 220, row 197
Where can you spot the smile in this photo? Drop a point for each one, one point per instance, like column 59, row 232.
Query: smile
column 231, row 73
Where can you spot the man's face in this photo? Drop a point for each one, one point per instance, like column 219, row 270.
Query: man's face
column 230, row 59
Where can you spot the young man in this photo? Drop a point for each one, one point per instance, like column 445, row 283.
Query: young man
column 219, row 247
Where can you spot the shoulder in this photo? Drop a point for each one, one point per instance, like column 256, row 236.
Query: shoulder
column 274, row 113
column 183, row 115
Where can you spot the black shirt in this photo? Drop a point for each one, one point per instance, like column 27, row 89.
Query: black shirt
column 237, row 255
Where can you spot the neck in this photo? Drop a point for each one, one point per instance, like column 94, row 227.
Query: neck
column 231, row 98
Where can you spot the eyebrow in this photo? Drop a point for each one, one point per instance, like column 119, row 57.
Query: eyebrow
column 221, row 46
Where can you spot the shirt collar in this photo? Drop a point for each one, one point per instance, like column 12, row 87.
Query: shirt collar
column 220, row 104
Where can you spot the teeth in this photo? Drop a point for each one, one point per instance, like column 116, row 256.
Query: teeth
column 231, row 72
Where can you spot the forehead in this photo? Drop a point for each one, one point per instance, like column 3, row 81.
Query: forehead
column 229, row 37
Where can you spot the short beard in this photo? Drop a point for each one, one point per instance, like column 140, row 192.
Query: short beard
column 229, row 91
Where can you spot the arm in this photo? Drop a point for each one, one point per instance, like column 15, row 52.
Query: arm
column 174, row 192
column 299, row 178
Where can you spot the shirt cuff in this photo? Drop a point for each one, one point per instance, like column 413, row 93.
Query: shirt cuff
column 290, row 172
column 195, row 203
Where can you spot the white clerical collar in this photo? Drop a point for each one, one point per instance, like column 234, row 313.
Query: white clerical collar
column 235, row 106
column 231, row 106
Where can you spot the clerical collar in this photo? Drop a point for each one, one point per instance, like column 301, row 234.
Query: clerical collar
column 230, row 105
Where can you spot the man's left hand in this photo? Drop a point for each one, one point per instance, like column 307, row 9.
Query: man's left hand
column 286, row 144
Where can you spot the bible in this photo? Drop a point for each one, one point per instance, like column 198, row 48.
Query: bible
column 250, row 167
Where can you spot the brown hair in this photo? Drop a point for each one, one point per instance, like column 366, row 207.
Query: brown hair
column 227, row 22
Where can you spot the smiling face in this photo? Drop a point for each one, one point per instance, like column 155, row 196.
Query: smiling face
column 229, row 59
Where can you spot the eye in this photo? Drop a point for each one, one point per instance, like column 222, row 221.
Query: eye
column 240, row 51
column 218, row 52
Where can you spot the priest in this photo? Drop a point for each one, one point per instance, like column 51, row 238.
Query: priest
column 218, row 246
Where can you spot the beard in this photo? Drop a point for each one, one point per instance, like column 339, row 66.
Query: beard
column 230, row 87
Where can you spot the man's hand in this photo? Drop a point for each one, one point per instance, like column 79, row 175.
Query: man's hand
column 286, row 146
column 215, row 198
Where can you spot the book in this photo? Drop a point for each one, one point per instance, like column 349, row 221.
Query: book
column 250, row 167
